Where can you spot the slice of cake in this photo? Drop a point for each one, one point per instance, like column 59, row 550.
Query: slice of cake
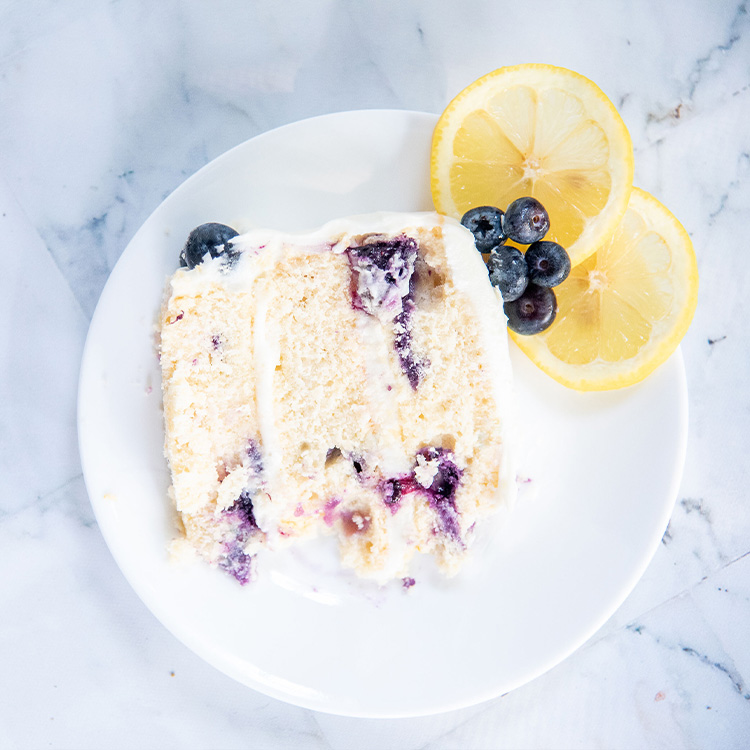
column 353, row 381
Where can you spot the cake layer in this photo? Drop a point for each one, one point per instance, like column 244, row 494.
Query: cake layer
column 352, row 381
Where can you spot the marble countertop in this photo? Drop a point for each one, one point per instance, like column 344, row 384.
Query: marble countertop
column 107, row 107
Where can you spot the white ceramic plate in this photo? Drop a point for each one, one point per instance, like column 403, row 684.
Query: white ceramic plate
column 606, row 472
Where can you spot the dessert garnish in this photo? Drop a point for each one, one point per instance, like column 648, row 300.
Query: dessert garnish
column 524, row 281
column 211, row 239
column 623, row 268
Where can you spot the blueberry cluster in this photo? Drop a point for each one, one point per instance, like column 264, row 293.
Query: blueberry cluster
column 524, row 280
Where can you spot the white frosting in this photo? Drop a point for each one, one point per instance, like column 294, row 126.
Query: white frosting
column 468, row 270
column 381, row 399
column 260, row 251
column 425, row 471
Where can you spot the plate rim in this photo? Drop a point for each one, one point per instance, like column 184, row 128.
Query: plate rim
column 470, row 698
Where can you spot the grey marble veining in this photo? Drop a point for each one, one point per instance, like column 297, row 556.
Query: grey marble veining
column 106, row 107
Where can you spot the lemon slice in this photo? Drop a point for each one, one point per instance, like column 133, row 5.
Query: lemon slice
column 624, row 310
column 542, row 131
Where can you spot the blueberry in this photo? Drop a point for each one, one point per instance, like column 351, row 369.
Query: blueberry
column 486, row 224
column 533, row 311
column 548, row 263
column 382, row 273
column 508, row 272
column 207, row 238
column 526, row 220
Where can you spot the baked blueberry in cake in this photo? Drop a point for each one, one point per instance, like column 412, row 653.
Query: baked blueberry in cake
column 352, row 381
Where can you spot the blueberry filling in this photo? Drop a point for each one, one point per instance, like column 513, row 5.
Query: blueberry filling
column 243, row 510
column 393, row 489
column 412, row 365
column 383, row 280
column 442, row 491
column 444, row 477
column 237, row 563
column 235, row 560
column 256, row 460
column 381, row 275
column 329, row 511
column 241, row 516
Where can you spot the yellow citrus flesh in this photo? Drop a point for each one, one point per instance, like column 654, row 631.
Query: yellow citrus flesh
column 623, row 311
column 542, row 131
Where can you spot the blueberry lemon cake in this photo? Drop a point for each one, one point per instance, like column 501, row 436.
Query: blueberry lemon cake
column 353, row 381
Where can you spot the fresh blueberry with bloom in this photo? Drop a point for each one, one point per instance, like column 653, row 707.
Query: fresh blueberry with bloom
column 533, row 311
column 526, row 220
column 508, row 272
column 486, row 224
column 548, row 263
column 211, row 238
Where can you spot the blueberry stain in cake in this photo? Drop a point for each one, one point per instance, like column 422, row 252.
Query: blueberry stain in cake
column 241, row 519
column 412, row 365
column 393, row 489
column 381, row 274
column 441, row 492
column 234, row 559
column 329, row 511
column 255, row 459
column 382, row 285
column 436, row 476
column 242, row 510
column 391, row 493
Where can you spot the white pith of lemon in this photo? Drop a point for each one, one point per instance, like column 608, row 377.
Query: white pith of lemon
column 542, row 131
